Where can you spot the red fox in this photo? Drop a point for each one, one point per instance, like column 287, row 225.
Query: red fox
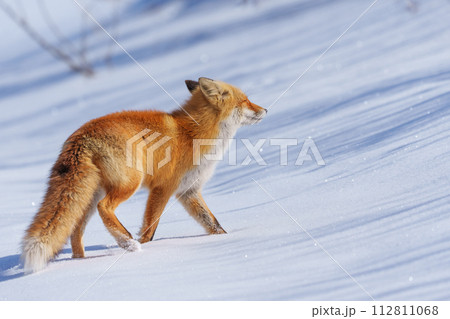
column 92, row 172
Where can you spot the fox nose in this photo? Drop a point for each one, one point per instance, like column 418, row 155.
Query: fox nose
column 266, row 110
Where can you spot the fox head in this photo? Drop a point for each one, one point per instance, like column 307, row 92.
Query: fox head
column 226, row 101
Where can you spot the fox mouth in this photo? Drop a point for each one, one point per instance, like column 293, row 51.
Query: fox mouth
column 260, row 116
column 254, row 119
column 251, row 118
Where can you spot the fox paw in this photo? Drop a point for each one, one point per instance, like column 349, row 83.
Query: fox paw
column 131, row 245
column 220, row 230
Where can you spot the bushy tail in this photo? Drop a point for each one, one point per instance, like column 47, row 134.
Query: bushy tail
column 73, row 182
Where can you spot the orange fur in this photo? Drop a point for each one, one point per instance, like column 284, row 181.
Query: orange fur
column 93, row 161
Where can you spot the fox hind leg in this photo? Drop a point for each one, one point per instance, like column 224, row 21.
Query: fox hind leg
column 76, row 239
column 106, row 207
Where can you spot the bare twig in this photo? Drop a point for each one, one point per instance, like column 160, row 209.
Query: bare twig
column 115, row 32
column 56, row 52
column 52, row 26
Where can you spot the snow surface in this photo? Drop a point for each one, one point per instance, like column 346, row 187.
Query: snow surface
column 377, row 106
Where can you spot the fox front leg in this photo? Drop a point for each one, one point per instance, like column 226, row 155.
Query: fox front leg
column 156, row 202
column 195, row 205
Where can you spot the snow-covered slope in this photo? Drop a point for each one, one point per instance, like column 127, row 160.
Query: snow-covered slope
column 377, row 105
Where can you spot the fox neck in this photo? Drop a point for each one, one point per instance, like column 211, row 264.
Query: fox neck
column 223, row 131
column 229, row 126
column 201, row 121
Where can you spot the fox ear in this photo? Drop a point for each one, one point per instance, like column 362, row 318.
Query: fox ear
column 191, row 85
column 210, row 88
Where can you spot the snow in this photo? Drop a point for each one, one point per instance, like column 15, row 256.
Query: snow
column 371, row 223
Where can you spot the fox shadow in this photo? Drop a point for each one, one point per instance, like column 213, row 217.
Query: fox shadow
column 11, row 266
